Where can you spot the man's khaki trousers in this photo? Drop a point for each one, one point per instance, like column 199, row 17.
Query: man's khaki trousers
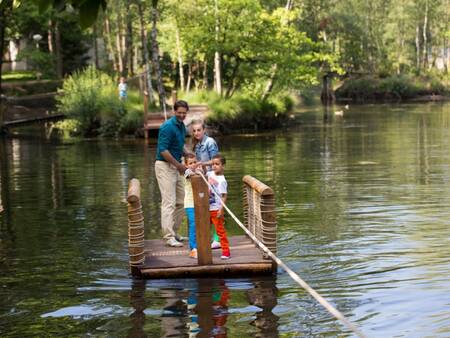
column 171, row 186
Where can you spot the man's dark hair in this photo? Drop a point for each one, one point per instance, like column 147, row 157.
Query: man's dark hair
column 220, row 157
column 180, row 103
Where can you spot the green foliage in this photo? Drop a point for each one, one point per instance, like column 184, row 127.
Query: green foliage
column 400, row 87
column 88, row 10
column 243, row 111
column 40, row 61
column 90, row 97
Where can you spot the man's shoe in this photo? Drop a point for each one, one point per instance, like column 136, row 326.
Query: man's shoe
column 215, row 245
column 173, row 242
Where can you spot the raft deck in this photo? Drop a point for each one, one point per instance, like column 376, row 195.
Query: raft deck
column 162, row 261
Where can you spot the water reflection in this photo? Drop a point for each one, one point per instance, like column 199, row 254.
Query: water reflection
column 201, row 307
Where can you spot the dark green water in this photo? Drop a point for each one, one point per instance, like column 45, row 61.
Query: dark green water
column 363, row 206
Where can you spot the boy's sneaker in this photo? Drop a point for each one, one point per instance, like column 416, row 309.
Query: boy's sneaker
column 215, row 245
column 225, row 256
column 173, row 242
column 193, row 253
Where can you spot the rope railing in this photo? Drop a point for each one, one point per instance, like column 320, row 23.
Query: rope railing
column 260, row 187
column 259, row 212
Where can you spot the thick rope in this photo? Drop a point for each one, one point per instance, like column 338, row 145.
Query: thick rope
column 336, row 313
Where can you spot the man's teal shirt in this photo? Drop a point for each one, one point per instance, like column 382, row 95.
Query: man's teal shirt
column 172, row 134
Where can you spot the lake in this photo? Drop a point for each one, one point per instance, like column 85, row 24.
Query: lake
column 363, row 207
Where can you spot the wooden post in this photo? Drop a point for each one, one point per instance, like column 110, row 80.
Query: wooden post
column 135, row 227
column 202, row 220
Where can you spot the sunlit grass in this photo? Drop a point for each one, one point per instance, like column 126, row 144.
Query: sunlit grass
column 24, row 75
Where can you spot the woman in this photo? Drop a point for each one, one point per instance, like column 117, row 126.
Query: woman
column 205, row 148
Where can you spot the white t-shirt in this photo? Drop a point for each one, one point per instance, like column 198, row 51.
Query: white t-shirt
column 219, row 184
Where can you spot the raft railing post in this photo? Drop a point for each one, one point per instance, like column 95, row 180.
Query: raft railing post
column 135, row 227
column 202, row 220
column 259, row 211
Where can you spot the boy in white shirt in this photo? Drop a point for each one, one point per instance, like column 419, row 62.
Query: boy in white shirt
column 219, row 184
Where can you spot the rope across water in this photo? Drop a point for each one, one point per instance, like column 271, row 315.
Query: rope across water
column 330, row 308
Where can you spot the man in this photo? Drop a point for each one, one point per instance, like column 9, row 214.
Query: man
column 169, row 172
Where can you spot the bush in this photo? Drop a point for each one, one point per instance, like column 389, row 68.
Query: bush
column 40, row 61
column 246, row 112
column 397, row 87
column 90, row 97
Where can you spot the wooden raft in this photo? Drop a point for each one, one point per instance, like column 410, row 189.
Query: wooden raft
column 153, row 259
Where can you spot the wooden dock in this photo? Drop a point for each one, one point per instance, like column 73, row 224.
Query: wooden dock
column 153, row 259
column 154, row 120
column 165, row 262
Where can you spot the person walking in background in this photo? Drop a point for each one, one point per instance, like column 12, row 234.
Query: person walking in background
column 205, row 148
column 169, row 173
column 218, row 189
column 123, row 89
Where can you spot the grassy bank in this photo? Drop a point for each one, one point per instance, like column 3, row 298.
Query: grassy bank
column 241, row 111
column 392, row 88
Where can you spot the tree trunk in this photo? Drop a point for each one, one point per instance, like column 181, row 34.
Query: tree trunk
column 110, row 44
column 120, row 51
column 205, row 74
column 425, row 37
column 217, row 73
column 5, row 10
column 155, row 55
column 58, row 52
column 129, row 42
column 445, row 42
column 189, row 79
column 96, row 62
column 50, row 38
column 417, row 48
column 231, row 85
column 2, row 48
column 180, row 58
column 269, row 84
column 273, row 73
column 145, row 57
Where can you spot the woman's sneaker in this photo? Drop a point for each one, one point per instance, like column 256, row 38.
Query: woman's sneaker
column 225, row 256
column 173, row 242
column 215, row 245
column 193, row 253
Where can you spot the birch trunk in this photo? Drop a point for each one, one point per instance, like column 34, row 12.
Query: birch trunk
column 425, row 37
column 217, row 73
column 180, row 58
column 417, row 48
column 189, row 79
column 155, row 55
column 119, row 40
column 109, row 43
